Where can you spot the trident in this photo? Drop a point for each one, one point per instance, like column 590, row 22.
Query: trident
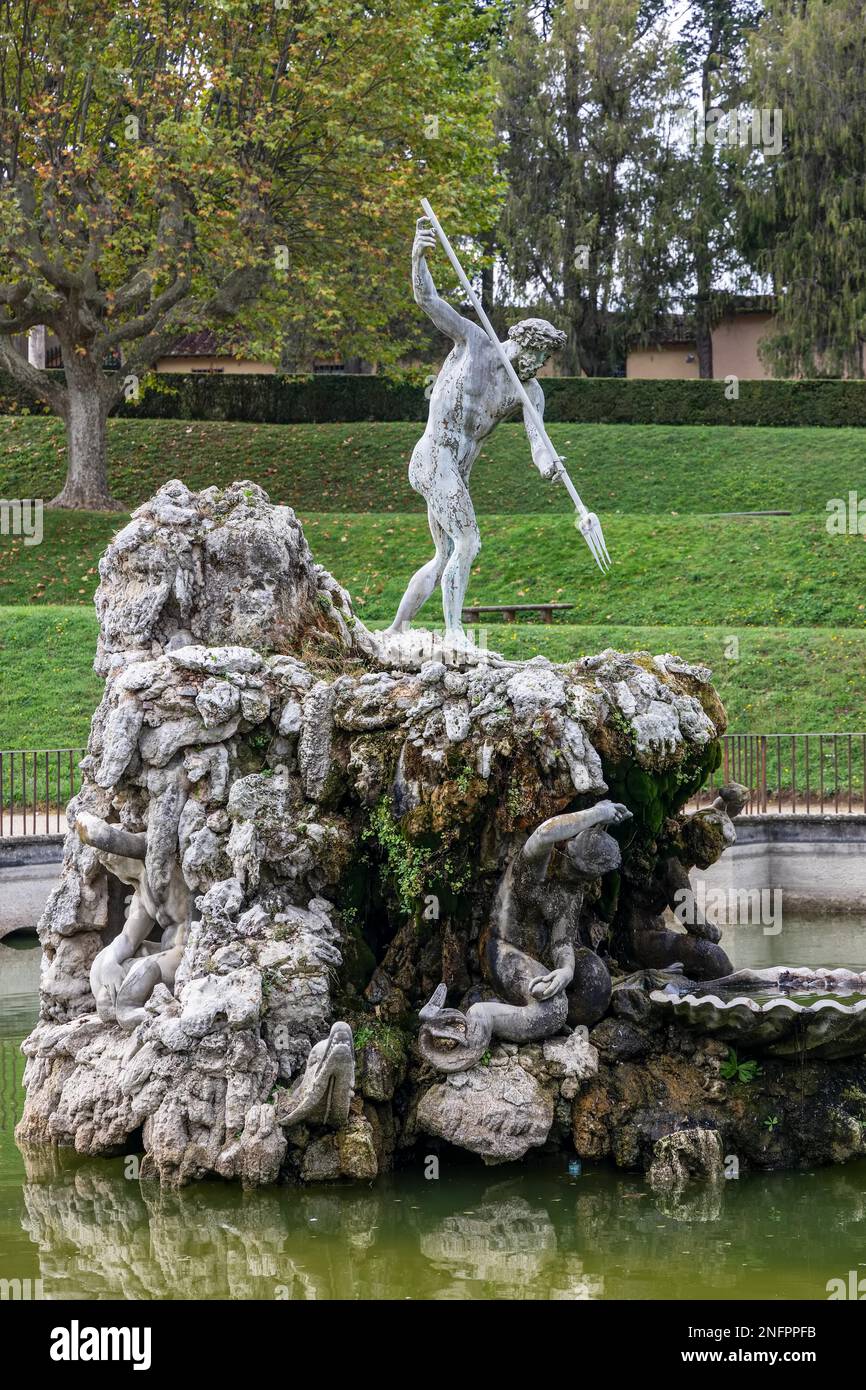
column 586, row 522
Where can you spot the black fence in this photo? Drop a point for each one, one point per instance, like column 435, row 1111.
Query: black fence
column 35, row 785
column 802, row 774
column 795, row 774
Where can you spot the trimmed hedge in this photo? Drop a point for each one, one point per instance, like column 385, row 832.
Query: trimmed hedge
column 254, row 398
column 285, row 400
column 617, row 400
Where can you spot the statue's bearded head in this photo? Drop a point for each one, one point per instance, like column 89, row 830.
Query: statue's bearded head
column 536, row 339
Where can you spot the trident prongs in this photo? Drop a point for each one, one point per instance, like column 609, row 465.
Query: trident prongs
column 590, row 528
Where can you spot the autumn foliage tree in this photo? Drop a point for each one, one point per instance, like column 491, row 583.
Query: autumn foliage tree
column 167, row 165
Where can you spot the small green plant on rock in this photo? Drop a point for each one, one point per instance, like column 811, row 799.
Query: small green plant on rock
column 386, row 1039
column 408, row 864
column 271, row 981
column 515, row 800
column 732, row 1069
column 464, row 779
column 771, row 1122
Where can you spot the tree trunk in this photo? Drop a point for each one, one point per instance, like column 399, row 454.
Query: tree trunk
column 86, row 486
column 488, row 245
column 704, row 343
column 703, row 256
column 704, row 313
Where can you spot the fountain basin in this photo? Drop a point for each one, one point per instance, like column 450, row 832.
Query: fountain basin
column 824, row 1027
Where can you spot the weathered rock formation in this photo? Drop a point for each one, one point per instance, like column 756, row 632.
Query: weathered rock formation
column 342, row 825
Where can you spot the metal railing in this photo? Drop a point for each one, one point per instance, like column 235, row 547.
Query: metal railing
column 803, row 774
column 35, row 785
column 794, row 774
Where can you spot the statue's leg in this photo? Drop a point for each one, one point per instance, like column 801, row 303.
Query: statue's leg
column 512, row 972
column 109, row 969
column 525, row 1017
column 452, row 508
column 424, row 581
column 144, row 975
column 657, row 948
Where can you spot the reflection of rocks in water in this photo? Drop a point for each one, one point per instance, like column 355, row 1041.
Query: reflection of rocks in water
column 102, row 1235
column 91, row 1230
column 699, row 1242
column 510, row 1246
column 99, row 1235
column 701, row 1202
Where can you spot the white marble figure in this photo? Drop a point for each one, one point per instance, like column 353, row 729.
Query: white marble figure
column 471, row 395
column 125, row 973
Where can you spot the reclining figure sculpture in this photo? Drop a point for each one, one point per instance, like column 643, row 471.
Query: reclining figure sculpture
column 536, row 913
column 126, row 972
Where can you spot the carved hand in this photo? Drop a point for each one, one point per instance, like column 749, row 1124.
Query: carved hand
column 612, row 812
column 547, row 986
column 550, row 468
column 109, row 971
column 425, row 239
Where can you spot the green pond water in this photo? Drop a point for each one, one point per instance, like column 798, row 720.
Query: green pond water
column 87, row 1230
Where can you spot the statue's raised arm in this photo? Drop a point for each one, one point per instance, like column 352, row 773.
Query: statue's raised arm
column 427, row 296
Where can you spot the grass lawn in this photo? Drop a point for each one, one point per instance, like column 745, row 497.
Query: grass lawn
column 775, row 571
column 48, row 689
column 684, row 580
column 361, row 467
column 783, row 680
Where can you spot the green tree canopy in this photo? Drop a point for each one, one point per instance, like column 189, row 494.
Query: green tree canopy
column 168, row 165
column 586, row 109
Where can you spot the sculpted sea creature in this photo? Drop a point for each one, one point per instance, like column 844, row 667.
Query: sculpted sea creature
column 323, row 1092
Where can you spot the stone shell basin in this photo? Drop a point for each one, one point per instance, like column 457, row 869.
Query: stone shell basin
column 782, row 1027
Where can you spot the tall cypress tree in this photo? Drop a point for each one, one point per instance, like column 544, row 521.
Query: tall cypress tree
column 583, row 101
column 806, row 223
column 712, row 42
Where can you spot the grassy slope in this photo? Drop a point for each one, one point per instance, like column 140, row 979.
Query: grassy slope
column 808, row 679
column 48, row 689
column 780, row 571
column 784, row 571
column 362, row 467
column 793, row 595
